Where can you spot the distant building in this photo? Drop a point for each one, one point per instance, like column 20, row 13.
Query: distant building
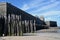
column 51, row 23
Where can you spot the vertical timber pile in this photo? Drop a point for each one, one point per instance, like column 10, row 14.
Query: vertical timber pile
column 21, row 28
column 15, row 27
column 8, row 24
column 18, row 25
column 31, row 26
column 34, row 26
column 12, row 25
column 28, row 26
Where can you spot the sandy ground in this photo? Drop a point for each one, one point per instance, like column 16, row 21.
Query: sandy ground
column 45, row 34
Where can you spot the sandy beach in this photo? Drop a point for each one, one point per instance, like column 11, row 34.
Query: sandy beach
column 45, row 34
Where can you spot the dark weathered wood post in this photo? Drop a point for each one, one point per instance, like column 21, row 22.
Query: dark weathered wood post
column 21, row 32
column 13, row 26
column 28, row 25
column 34, row 26
column 23, row 26
column 5, row 18
column 3, row 26
column 17, row 25
column 9, row 24
column 31, row 26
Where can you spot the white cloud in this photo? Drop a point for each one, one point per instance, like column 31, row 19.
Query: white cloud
column 47, row 7
column 35, row 4
column 32, row 4
column 51, row 13
column 52, row 0
column 25, row 7
column 48, row 19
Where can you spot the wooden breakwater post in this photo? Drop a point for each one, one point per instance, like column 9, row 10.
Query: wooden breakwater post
column 31, row 26
column 34, row 25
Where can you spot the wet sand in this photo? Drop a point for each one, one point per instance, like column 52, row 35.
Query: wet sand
column 45, row 34
column 41, row 37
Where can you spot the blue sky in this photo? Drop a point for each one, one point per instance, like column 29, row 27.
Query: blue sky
column 50, row 9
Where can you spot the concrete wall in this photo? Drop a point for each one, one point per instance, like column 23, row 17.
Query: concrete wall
column 3, row 9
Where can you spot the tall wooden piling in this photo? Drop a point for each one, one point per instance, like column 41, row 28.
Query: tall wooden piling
column 34, row 26
column 31, row 26
column 21, row 32
column 25, row 26
column 28, row 26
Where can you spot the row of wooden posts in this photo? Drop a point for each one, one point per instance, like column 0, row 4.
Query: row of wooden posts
column 17, row 26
